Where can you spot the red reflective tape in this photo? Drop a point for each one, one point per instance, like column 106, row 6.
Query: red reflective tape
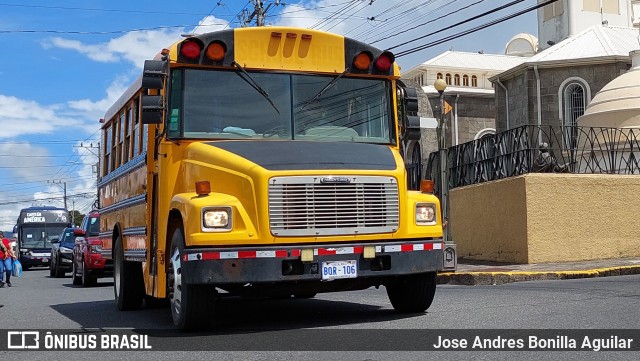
column 246, row 254
column 428, row 246
column 358, row 249
column 282, row 254
column 326, row 252
column 295, row 253
column 210, row 255
column 184, row 258
column 406, row 248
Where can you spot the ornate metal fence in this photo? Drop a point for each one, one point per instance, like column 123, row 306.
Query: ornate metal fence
column 530, row 148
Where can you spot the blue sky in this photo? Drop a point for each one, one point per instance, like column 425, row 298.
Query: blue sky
column 65, row 62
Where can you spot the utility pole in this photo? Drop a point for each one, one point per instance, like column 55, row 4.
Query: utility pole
column 64, row 187
column 259, row 13
column 95, row 150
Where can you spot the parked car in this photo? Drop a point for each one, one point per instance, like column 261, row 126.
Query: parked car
column 88, row 263
column 62, row 251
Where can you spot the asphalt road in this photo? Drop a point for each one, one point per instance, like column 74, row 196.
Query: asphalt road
column 37, row 301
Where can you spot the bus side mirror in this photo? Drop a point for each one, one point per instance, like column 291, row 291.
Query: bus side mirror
column 413, row 128
column 153, row 76
column 411, row 119
column 152, row 109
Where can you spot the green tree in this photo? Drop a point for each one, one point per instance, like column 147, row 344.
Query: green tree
column 76, row 217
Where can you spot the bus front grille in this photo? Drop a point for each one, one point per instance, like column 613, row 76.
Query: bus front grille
column 328, row 205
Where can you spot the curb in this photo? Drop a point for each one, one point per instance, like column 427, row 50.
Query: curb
column 499, row 278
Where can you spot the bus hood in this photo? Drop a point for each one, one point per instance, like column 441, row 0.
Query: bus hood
column 304, row 155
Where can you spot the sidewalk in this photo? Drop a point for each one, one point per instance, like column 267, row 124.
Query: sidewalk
column 491, row 273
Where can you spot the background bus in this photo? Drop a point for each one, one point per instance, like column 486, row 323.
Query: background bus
column 35, row 229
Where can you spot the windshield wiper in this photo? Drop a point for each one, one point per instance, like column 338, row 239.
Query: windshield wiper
column 326, row 87
column 255, row 85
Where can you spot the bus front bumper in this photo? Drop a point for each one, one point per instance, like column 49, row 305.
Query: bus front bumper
column 219, row 266
column 35, row 260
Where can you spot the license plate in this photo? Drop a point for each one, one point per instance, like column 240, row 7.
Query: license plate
column 339, row 269
column 44, row 259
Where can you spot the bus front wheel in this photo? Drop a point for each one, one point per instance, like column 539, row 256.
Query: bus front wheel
column 192, row 306
column 128, row 284
column 412, row 293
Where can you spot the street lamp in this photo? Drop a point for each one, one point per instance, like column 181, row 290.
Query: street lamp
column 440, row 86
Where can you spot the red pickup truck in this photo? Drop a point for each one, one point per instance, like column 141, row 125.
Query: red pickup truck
column 88, row 263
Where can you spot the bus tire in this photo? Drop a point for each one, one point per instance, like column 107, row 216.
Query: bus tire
column 412, row 293
column 128, row 282
column 192, row 306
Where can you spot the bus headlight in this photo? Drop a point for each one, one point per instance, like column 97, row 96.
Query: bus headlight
column 425, row 214
column 216, row 218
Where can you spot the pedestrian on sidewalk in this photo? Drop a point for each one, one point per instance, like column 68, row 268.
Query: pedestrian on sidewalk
column 6, row 260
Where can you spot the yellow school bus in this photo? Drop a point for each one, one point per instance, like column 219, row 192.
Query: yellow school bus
column 265, row 161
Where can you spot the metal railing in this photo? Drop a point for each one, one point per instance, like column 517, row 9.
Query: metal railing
column 580, row 150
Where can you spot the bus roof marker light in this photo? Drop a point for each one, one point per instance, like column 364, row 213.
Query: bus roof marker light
column 306, row 36
column 362, row 60
column 216, row 51
column 276, row 34
column 384, row 61
column 292, row 35
column 203, row 188
column 190, row 49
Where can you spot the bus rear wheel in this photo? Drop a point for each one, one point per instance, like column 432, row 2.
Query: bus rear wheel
column 412, row 293
column 128, row 282
column 192, row 306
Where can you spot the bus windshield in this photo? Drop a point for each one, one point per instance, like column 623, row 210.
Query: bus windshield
column 40, row 236
column 226, row 104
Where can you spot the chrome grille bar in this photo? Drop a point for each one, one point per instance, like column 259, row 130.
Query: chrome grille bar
column 326, row 205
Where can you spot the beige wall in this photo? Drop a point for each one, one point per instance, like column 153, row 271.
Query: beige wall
column 537, row 218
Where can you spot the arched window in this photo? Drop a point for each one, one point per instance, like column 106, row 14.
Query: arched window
column 465, row 80
column 439, row 76
column 485, row 133
column 474, row 81
column 448, row 79
column 456, row 79
column 574, row 101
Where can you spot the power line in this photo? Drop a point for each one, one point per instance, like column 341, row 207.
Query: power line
column 428, row 22
column 98, row 9
column 209, row 14
column 472, row 30
column 460, row 23
column 238, row 14
column 335, row 13
column 413, row 13
column 352, row 14
column 99, row 32
column 46, row 199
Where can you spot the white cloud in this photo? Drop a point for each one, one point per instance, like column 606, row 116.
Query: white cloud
column 134, row 46
column 299, row 16
column 24, row 117
column 208, row 24
column 95, row 52
column 96, row 109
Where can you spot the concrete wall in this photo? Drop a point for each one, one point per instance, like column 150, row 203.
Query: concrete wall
column 538, row 218
column 475, row 113
column 523, row 95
